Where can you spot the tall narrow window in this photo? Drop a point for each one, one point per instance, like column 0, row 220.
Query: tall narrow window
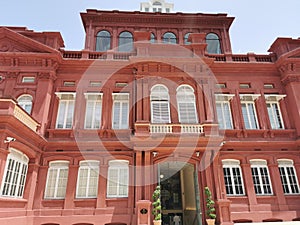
column 152, row 38
column 87, row 182
column 261, row 177
column 213, row 44
column 288, row 176
column 125, row 42
column 120, row 111
column 186, row 104
column 169, row 38
column 25, row 101
column 274, row 112
column 118, row 178
column 57, row 179
column 233, row 177
column 186, row 37
column 93, row 110
column 103, row 41
column 65, row 110
column 249, row 111
column 224, row 111
column 15, row 172
column 160, row 107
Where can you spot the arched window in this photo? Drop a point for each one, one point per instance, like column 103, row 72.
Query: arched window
column 170, row 38
column 125, row 42
column 160, row 107
column 233, row 177
column 118, row 178
column 152, row 38
column 25, row 101
column 13, row 182
column 186, row 36
column 187, row 112
column 87, row 182
column 103, row 41
column 213, row 44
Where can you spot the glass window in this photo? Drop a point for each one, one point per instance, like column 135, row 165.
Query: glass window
column 274, row 111
column 87, row 182
column 118, row 178
column 213, row 44
column 13, row 182
column 103, row 41
column 233, row 177
column 288, row 176
column 186, row 104
column 186, row 37
column 169, row 38
column 261, row 177
column 65, row 110
column 57, row 179
column 160, row 107
column 125, row 42
column 93, row 110
column 25, row 101
column 152, row 38
column 120, row 111
column 249, row 111
column 224, row 111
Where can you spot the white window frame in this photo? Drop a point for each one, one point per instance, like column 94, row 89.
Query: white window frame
column 160, row 98
column 276, row 120
column 121, row 120
column 235, row 181
column 95, row 117
column 249, row 99
column 25, row 103
column 69, row 109
column 185, row 96
column 222, row 100
column 288, row 175
column 121, row 169
column 89, row 183
column 60, row 168
column 258, row 165
column 15, row 172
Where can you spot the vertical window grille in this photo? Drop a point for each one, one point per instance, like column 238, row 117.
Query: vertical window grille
column 274, row 111
column 25, row 101
column 93, row 110
column 261, row 177
column 160, row 107
column 249, row 110
column 57, row 179
column 118, row 178
column 288, row 176
column 13, row 182
column 120, row 111
column 87, row 182
column 186, row 105
column 224, row 111
column 233, row 177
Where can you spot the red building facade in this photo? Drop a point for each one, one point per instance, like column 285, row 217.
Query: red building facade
column 154, row 98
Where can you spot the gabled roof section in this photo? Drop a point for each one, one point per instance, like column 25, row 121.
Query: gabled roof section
column 13, row 41
column 287, row 47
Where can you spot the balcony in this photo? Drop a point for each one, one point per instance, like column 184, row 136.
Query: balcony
column 8, row 107
column 206, row 129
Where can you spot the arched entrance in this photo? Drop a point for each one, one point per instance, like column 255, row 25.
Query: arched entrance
column 179, row 194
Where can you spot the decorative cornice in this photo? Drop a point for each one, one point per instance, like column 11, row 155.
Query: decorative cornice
column 290, row 79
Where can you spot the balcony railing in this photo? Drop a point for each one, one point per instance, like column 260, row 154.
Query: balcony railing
column 169, row 128
column 191, row 128
column 9, row 107
column 161, row 128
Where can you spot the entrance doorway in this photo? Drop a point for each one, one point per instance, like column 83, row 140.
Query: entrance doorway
column 179, row 194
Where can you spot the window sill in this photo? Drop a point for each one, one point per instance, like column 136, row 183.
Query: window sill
column 10, row 202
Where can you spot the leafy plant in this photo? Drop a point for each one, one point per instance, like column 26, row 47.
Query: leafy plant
column 156, row 204
column 210, row 204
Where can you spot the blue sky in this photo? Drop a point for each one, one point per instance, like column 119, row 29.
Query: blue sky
column 257, row 22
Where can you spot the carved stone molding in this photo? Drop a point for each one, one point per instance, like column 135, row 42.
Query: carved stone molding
column 47, row 75
column 290, row 79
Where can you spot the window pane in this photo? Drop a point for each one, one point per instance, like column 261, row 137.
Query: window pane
column 103, row 41
column 213, row 44
column 125, row 42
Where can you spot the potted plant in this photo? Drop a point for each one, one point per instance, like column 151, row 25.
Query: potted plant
column 156, row 206
column 210, row 207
